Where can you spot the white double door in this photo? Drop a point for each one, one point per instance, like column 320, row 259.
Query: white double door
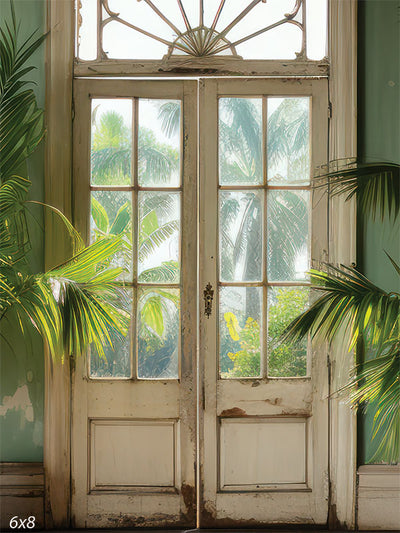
column 201, row 417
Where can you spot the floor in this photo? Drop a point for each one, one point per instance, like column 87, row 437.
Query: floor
column 292, row 530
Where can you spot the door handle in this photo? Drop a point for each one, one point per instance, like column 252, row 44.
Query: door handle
column 208, row 298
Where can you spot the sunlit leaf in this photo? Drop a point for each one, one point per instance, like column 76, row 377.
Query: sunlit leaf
column 233, row 325
column 121, row 220
column 152, row 314
column 99, row 215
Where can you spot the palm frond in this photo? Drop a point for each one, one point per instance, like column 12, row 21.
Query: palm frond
column 170, row 116
column 149, row 243
column 395, row 265
column 111, row 163
column 167, row 272
column 155, row 164
column 377, row 185
column 376, row 385
column 21, row 122
column 75, row 304
column 14, row 232
column 87, row 297
column 348, row 298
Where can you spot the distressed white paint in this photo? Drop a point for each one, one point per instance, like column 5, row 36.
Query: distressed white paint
column 304, row 397
column 379, row 497
column 262, row 452
column 210, row 66
column 134, row 441
column 58, row 116
column 342, row 249
column 128, row 453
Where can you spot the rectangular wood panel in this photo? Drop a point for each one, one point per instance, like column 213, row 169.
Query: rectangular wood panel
column 133, row 453
column 256, row 453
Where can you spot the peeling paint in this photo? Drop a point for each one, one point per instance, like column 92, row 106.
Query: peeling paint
column 275, row 401
column 20, row 401
column 235, row 411
column 189, row 499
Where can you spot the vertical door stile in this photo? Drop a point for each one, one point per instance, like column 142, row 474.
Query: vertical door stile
column 134, row 178
column 208, row 154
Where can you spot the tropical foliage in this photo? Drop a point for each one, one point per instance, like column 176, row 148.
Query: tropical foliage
column 240, row 162
column 286, row 359
column 158, row 227
column 74, row 305
column 371, row 316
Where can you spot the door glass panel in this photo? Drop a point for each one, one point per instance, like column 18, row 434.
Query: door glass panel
column 240, row 141
column 284, row 305
column 119, row 206
column 111, row 142
column 287, row 235
column 240, row 329
column 241, row 218
column 111, row 214
column 248, row 254
column 288, row 141
column 158, row 332
column 159, row 143
column 159, row 237
column 115, row 363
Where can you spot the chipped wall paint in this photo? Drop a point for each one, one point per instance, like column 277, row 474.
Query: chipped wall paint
column 21, row 402
column 378, row 140
column 21, row 365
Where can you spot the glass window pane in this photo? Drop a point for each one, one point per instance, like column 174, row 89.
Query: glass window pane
column 288, row 249
column 158, row 333
column 240, row 325
column 123, row 42
column 111, row 142
column 282, row 42
column 288, row 141
column 284, row 305
column 111, row 214
column 87, row 29
column 167, row 25
column 117, row 361
column 159, row 143
column 240, row 141
column 240, row 235
column 159, row 237
column 316, row 14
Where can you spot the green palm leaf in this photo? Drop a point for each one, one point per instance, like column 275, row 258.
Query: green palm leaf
column 349, row 299
column 376, row 384
column 168, row 272
column 21, row 122
column 376, row 185
column 170, row 117
column 14, row 233
column 149, row 243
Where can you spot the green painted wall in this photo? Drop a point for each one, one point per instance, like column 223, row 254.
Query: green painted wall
column 22, row 369
column 378, row 140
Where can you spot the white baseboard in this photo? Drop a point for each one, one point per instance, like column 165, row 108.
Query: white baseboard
column 21, row 493
column 379, row 497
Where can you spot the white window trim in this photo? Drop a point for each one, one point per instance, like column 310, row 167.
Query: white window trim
column 58, row 192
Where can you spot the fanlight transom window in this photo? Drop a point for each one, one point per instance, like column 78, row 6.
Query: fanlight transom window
column 161, row 29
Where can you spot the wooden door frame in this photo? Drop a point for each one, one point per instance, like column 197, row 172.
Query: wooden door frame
column 58, row 192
